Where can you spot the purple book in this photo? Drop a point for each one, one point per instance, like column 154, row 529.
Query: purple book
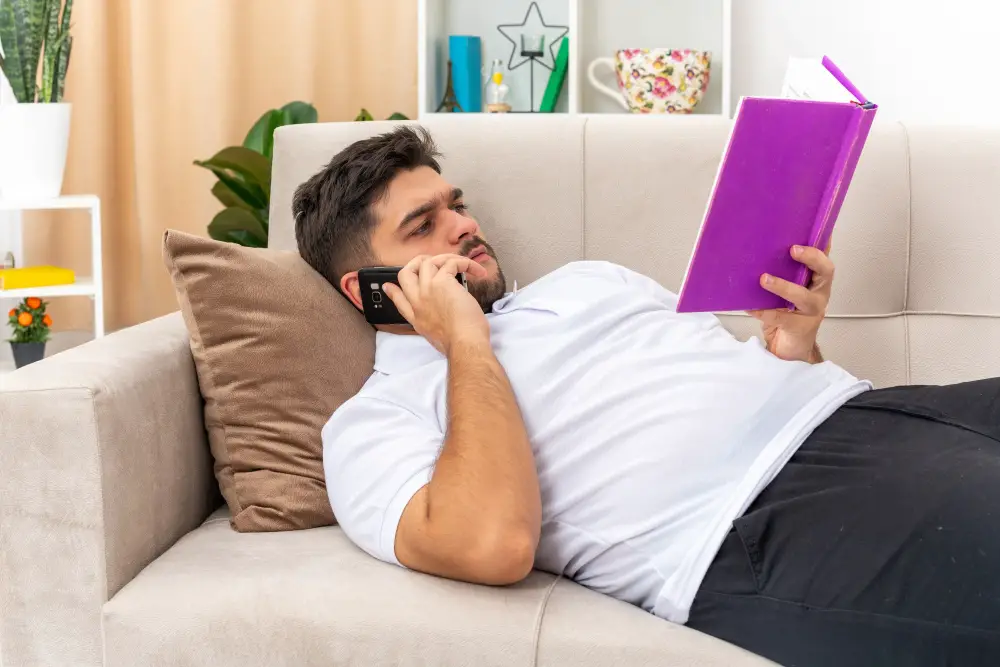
column 782, row 181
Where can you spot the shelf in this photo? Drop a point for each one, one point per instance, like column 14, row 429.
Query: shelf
column 606, row 27
column 82, row 287
column 61, row 202
column 440, row 18
column 597, row 28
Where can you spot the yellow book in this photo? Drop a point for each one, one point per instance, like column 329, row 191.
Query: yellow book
column 35, row 276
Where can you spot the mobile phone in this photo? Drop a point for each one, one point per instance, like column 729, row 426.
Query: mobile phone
column 378, row 307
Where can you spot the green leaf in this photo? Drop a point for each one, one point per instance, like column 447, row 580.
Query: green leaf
column 20, row 41
column 364, row 115
column 61, row 67
column 243, row 238
column 227, row 197
column 240, row 223
column 253, row 195
column 34, row 35
column 62, row 58
column 251, row 166
column 397, row 116
column 50, row 63
column 13, row 68
column 66, row 13
column 298, row 113
column 260, row 138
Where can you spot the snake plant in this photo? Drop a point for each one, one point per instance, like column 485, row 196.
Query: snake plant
column 33, row 32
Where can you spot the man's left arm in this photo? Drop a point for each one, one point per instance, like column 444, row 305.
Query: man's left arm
column 791, row 334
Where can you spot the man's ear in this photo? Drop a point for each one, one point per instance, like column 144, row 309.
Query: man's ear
column 350, row 286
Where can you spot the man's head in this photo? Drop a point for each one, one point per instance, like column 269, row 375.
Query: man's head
column 381, row 202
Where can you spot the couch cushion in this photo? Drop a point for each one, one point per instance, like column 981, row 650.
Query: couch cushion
column 221, row 598
column 277, row 350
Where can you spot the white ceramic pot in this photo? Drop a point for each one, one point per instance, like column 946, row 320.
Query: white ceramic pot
column 33, row 143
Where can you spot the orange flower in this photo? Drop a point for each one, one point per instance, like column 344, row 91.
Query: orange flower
column 25, row 319
column 12, row 313
column 33, row 302
column 47, row 321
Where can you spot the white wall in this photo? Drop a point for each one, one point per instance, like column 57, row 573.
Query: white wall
column 918, row 60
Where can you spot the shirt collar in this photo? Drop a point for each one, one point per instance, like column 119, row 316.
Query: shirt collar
column 398, row 353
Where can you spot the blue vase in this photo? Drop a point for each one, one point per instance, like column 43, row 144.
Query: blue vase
column 466, row 55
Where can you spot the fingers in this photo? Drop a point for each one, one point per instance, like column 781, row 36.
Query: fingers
column 408, row 276
column 815, row 259
column 459, row 264
column 805, row 301
column 399, row 299
column 450, row 267
column 769, row 318
column 427, row 270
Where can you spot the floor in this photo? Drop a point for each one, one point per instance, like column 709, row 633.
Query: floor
column 61, row 340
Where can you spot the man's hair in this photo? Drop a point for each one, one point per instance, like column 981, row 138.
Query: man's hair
column 334, row 210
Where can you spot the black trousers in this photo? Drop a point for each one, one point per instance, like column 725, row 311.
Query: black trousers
column 879, row 542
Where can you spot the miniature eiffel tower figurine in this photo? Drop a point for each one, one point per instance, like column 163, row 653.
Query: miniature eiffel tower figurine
column 450, row 101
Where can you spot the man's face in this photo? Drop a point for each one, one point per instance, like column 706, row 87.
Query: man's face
column 423, row 214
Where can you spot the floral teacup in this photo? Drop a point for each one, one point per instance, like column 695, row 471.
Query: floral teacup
column 656, row 80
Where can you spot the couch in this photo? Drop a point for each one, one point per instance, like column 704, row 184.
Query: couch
column 114, row 546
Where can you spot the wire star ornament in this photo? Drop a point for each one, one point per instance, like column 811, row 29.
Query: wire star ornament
column 513, row 31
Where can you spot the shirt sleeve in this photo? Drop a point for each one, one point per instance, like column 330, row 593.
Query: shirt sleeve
column 376, row 456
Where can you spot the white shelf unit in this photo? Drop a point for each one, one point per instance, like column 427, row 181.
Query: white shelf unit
column 92, row 286
column 596, row 28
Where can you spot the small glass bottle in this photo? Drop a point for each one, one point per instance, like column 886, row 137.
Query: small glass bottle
column 496, row 90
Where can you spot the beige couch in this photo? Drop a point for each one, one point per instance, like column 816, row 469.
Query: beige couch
column 113, row 550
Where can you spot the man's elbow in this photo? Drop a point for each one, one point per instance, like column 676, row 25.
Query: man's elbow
column 504, row 559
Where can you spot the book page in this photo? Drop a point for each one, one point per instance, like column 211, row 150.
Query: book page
column 807, row 79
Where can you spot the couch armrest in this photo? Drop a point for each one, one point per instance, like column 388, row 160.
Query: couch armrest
column 104, row 464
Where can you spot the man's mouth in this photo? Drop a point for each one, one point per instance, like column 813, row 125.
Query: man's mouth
column 479, row 254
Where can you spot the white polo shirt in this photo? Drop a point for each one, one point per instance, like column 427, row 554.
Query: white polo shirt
column 652, row 430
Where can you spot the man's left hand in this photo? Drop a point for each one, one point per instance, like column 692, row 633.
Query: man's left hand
column 791, row 334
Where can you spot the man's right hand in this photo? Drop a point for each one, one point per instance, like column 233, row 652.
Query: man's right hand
column 434, row 302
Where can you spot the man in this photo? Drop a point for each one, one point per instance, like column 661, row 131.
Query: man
column 581, row 426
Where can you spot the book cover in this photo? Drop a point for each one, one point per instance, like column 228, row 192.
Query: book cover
column 782, row 181
column 35, row 276
column 555, row 85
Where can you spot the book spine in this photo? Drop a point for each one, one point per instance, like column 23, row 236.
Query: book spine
column 836, row 188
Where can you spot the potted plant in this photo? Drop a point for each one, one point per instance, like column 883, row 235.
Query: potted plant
column 244, row 173
column 31, row 325
column 34, row 133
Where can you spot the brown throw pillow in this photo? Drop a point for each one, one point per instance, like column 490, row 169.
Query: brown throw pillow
column 277, row 349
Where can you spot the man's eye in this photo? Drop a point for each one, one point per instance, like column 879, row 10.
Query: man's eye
column 422, row 229
column 460, row 208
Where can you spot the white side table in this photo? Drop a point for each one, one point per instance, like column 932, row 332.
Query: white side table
column 87, row 286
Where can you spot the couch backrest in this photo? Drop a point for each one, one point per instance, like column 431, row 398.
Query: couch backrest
column 917, row 293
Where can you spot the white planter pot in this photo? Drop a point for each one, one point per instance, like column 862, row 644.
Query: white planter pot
column 33, row 143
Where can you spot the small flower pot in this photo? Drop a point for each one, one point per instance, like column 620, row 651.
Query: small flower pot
column 27, row 353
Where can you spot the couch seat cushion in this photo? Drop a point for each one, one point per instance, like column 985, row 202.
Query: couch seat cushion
column 223, row 598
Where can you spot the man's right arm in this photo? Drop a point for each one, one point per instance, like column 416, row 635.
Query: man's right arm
column 479, row 517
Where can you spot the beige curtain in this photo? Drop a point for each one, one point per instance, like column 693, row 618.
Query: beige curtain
column 155, row 85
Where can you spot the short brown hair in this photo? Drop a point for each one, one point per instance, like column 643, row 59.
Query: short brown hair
column 333, row 212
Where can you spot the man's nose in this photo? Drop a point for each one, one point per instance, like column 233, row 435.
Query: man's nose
column 462, row 226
